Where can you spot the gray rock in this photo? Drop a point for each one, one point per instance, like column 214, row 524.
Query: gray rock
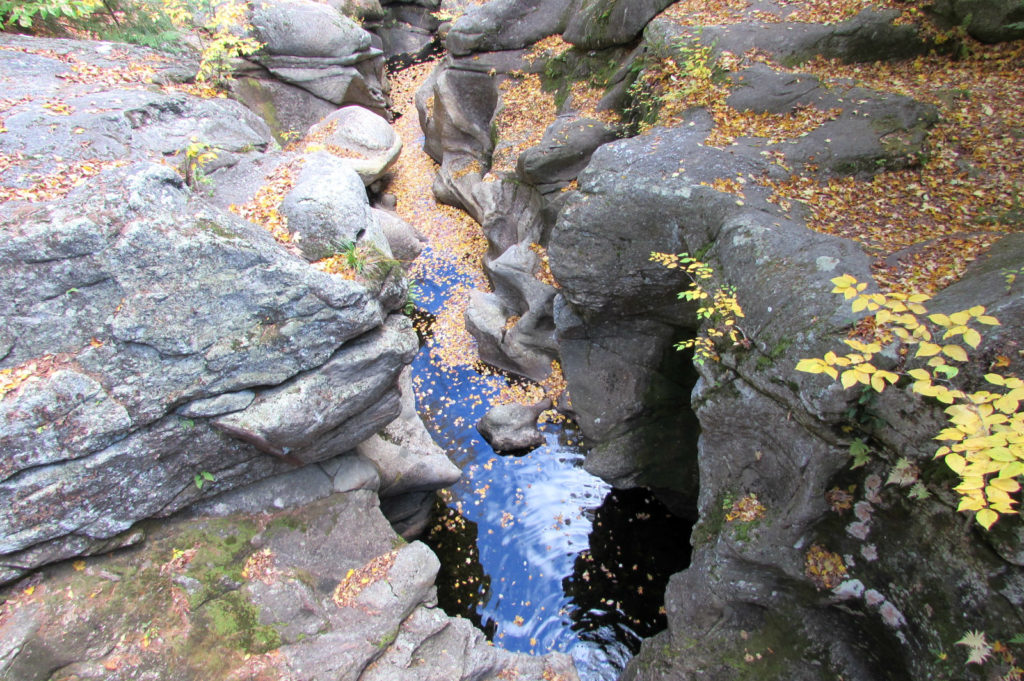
column 353, row 472
column 404, row 240
column 405, row 454
column 303, row 28
column 403, row 40
column 506, row 25
column 409, row 514
column 596, row 24
column 564, row 151
column 510, row 214
column 513, row 427
column 485, row 321
column 288, row 490
column 360, row 10
column 221, row 404
column 327, row 209
column 989, row 21
column 362, row 138
column 310, row 417
column 286, row 108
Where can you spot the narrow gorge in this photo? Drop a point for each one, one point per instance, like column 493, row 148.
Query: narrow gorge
column 511, row 340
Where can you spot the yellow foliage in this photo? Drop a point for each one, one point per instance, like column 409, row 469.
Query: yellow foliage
column 718, row 306
column 986, row 431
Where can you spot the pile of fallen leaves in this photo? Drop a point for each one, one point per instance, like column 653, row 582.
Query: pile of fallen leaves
column 825, row 568
column 57, row 184
column 526, row 112
column 356, row 580
column 263, row 208
column 926, row 224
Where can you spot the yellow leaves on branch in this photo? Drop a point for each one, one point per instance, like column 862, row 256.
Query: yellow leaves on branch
column 718, row 306
column 985, row 435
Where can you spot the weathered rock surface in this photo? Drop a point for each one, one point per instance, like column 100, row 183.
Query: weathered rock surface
column 992, row 22
column 366, row 141
column 139, row 316
column 327, row 209
column 596, row 24
column 320, row 55
column 513, row 427
column 321, row 592
column 506, row 25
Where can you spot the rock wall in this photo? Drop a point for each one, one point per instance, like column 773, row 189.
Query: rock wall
column 151, row 338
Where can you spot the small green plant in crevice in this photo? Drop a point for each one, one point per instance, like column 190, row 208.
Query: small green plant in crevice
column 718, row 307
column 359, row 260
column 203, row 477
column 1010, row 276
column 672, row 79
column 197, row 155
column 985, row 430
column 412, row 295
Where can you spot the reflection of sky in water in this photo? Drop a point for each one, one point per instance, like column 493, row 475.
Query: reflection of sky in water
column 533, row 518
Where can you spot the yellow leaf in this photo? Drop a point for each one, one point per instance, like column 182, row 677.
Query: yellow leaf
column 849, row 378
column 961, row 317
column 976, row 311
column 1005, row 484
column 877, row 384
column 971, row 504
column 844, row 281
column 1007, row 404
column 995, row 379
column 811, row 366
column 927, row 350
column 1012, row 470
column 956, row 463
column 990, row 321
column 951, row 434
column 955, row 352
column 940, row 319
column 970, row 482
column 78, row 565
column 972, row 338
column 919, row 374
column 986, row 517
column 859, row 304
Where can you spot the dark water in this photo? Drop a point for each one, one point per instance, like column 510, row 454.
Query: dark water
column 536, row 551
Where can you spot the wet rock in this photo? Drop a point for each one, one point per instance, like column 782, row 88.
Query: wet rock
column 362, row 138
column 513, row 427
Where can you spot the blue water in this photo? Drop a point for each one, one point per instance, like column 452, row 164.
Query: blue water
column 536, row 551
